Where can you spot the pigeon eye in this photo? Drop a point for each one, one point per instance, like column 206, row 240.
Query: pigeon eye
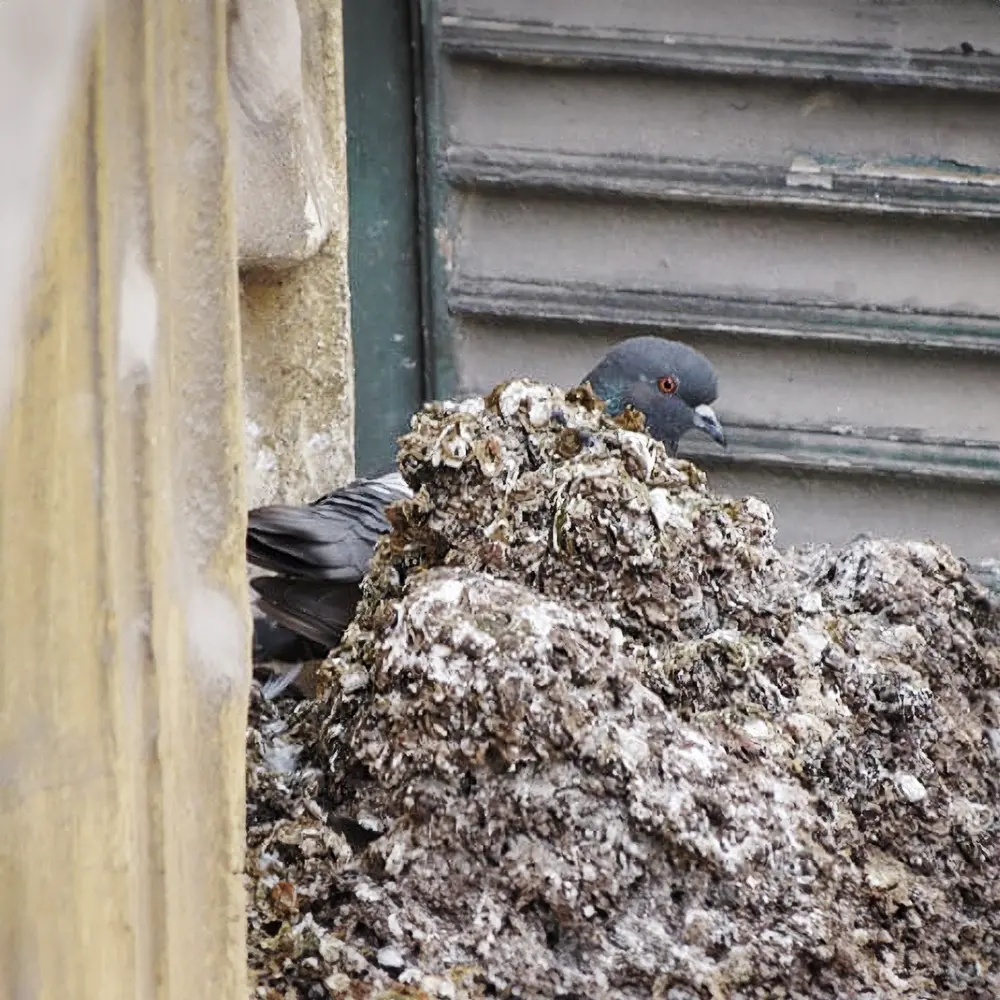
column 667, row 385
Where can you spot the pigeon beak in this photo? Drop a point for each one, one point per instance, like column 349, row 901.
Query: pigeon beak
column 706, row 420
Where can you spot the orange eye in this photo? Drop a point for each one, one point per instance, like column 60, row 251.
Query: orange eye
column 667, row 385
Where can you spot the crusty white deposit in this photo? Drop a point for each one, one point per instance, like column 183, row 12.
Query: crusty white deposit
column 593, row 736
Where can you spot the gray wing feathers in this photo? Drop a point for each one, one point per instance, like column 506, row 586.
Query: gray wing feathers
column 331, row 538
column 315, row 609
column 321, row 553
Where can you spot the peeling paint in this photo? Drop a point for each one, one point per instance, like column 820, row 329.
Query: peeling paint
column 137, row 317
column 806, row 172
column 316, row 232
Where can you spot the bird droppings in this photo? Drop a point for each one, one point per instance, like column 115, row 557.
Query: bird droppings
column 592, row 735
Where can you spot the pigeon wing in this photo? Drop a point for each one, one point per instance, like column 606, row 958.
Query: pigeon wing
column 316, row 609
column 274, row 642
column 330, row 539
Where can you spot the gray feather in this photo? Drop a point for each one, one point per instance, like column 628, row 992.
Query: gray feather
column 330, row 539
column 316, row 609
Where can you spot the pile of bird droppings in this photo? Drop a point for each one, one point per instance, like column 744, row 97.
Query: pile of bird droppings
column 592, row 736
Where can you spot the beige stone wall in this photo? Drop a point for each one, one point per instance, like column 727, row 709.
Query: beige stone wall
column 124, row 638
column 287, row 96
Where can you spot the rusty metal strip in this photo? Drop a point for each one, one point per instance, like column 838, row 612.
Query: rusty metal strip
column 655, row 310
column 905, row 188
column 859, row 451
column 558, row 47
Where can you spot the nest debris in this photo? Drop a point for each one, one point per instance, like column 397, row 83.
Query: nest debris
column 592, row 735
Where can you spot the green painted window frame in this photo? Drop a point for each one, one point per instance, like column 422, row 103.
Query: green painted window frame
column 398, row 277
column 384, row 247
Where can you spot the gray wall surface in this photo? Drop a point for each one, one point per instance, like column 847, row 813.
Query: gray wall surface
column 808, row 192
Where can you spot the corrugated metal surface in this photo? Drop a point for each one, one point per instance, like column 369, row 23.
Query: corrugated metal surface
column 807, row 191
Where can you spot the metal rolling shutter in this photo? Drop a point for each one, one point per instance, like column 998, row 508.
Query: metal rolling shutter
column 807, row 190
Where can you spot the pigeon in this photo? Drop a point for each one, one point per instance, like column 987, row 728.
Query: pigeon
column 319, row 553
column 671, row 384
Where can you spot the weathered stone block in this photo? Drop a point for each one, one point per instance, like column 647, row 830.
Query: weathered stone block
column 286, row 179
column 287, row 89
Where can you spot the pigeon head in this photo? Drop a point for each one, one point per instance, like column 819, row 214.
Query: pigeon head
column 671, row 384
